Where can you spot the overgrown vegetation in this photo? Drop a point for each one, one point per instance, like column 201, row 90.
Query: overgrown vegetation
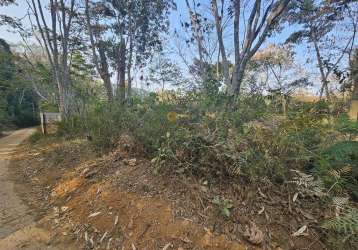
column 261, row 118
column 225, row 139
column 246, row 140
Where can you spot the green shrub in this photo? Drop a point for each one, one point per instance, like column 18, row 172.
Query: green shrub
column 146, row 120
column 338, row 167
column 223, row 206
column 35, row 137
column 215, row 136
column 347, row 126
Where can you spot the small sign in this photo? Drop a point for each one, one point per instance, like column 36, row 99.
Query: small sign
column 48, row 120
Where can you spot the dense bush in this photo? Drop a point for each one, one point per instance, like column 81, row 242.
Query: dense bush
column 219, row 136
column 338, row 167
column 144, row 119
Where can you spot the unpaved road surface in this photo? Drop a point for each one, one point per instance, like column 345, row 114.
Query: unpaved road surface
column 13, row 213
column 17, row 227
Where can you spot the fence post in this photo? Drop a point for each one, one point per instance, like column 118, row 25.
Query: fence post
column 44, row 125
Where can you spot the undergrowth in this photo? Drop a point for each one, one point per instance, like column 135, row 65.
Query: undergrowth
column 221, row 138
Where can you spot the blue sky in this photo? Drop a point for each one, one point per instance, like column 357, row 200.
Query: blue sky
column 18, row 11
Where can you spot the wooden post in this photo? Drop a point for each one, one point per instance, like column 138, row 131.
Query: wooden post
column 44, row 125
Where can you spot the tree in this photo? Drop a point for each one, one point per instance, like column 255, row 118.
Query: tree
column 278, row 63
column 260, row 24
column 197, row 41
column 86, row 89
column 318, row 20
column 219, row 25
column 198, row 30
column 7, row 20
column 98, row 45
column 353, row 111
column 7, row 72
column 55, row 38
column 18, row 102
column 163, row 71
column 135, row 29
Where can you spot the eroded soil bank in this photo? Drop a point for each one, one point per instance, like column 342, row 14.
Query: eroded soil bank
column 117, row 202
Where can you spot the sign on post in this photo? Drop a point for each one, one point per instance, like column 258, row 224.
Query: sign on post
column 48, row 121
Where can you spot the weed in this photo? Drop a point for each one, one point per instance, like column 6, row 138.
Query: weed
column 35, row 137
column 223, row 205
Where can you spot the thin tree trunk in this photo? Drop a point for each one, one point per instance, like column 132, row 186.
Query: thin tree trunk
column 219, row 32
column 257, row 30
column 237, row 10
column 353, row 110
column 102, row 66
column 324, row 82
column 199, row 39
column 129, row 66
column 58, row 61
column 121, row 71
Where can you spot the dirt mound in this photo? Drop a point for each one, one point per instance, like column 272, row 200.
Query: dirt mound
column 116, row 201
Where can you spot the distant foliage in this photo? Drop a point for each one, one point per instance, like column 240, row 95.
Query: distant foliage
column 18, row 102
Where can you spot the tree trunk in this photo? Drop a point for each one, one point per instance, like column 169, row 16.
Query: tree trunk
column 219, row 32
column 324, row 80
column 104, row 72
column 102, row 66
column 284, row 104
column 237, row 9
column 353, row 110
column 199, row 39
column 257, row 29
column 121, row 71
column 129, row 67
column 60, row 16
column 239, row 76
column 62, row 102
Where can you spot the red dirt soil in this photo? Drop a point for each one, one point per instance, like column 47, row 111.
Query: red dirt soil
column 116, row 202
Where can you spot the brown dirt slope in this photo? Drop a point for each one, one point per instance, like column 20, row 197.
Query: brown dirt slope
column 116, row 202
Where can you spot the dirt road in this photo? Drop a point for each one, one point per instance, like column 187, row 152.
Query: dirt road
column 13, row 213
column 17, row 227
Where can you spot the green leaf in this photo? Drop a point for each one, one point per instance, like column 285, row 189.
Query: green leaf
column 226, row 212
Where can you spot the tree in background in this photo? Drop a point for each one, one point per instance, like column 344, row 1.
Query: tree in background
column 318, row 21
column 249, row 33
column 263, row 19
column 99, row 46
column 196, row 43
column 7, row 20
column 353, row 111
column 86, row 90
column 278, row 64
column 7, row 72
column 198, row 32
column 162, row 71
column 18, row 102
column 55, row 38
column 135, row 30
column 220, row 25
